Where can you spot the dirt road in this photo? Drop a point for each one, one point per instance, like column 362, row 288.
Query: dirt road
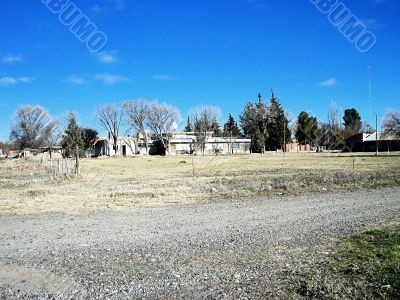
column 245, row 249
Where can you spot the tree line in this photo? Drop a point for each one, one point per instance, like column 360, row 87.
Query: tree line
column 34, row 128
column 266, row 123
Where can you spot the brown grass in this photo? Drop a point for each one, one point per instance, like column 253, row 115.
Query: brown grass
column 112, row 183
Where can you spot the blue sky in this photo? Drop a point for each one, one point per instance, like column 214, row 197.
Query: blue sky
column 190, row 53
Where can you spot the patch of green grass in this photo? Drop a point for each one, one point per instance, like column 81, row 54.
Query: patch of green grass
column 365, row 266
column 374, row 255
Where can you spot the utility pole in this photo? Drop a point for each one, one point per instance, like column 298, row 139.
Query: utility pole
column 370, row 93
column 260, row 107
column 376, row 136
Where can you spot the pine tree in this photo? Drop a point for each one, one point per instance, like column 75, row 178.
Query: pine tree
column 231, row 128
column 251, row 120
column 262, row 124
column 189, row 126
column 278, row 132
column 73, row 135
column 248, row 120
column 216, row 128
column 267, row 126
column 259, row 141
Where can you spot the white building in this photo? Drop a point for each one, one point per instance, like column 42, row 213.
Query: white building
column 185, row 143
column 126, row 146
column 180, row 143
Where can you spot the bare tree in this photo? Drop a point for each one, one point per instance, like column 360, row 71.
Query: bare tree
column 367, row 127
column 162, row 120
column 109, row 116
column 136, row 113
column 391, row 123
column 33, row 127
column 204, row 119
column 333, row 118
column 53, row 137
column 334, row 128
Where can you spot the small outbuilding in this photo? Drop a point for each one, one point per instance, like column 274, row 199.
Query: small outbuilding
column 368, row 142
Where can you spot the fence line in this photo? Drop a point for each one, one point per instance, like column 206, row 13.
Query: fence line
column 50, row 167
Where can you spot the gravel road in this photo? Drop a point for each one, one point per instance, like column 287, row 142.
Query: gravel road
column 227, row 249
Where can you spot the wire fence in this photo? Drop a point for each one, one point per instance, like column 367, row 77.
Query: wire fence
column 49, row 168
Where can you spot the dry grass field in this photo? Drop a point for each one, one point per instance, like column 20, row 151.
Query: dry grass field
column 113, row 183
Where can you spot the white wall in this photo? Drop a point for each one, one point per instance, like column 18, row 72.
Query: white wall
column 130, row 146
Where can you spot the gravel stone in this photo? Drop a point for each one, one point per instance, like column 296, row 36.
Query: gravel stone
column 223, row 250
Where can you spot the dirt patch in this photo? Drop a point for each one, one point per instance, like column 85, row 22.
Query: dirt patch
column 33, row 281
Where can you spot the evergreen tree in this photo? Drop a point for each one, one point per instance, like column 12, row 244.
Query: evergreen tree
column 262, row 123
column 216, row 128
column 352, row 121
column 189, row 126
column 231, row 128
column 278, row 132
column 352, row 126
column 265, row 123
column 249, row 123
column 73, row 135
column 248, row 120
column 307, row 129
column 259, row 141
column 253, row 122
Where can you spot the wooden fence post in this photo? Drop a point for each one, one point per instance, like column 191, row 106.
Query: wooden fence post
column 66, row 166
column 77, row 162
column 58, row 167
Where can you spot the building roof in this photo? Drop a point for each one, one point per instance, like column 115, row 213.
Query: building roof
column 381, row 137
column 184, row 138
column 210, row 140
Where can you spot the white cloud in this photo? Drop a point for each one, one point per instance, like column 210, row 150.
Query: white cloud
column 7, row 80
column 111, row 79
column 25, row 79
column 12, row 59
column 108, row 57
column 76, row 80
column 329, row 83
column 163, row 77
